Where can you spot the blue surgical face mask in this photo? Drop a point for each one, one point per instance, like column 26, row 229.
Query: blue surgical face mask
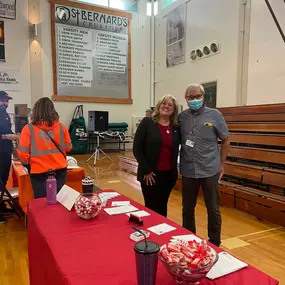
column 195, row 104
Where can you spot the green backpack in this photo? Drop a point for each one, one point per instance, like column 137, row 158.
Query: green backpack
column 78, row 132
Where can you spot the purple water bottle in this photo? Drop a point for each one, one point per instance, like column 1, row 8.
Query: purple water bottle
column 51, row 188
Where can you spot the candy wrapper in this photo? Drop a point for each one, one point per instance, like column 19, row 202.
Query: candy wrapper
column 187, row 262
column 192, row 254
column 88, row 207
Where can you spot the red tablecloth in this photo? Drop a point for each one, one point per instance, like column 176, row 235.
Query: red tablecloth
column 63, row 249
column 19, row 178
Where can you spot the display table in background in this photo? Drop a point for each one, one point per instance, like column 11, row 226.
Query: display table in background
column 66, row 250
column 19, row 178
column 109, row 137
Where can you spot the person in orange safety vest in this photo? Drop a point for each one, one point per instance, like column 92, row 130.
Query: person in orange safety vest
column 43, row 145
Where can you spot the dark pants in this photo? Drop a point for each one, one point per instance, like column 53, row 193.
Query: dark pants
column 156, row 196
column 5, row 165
column 190, row 189
column 39, row 182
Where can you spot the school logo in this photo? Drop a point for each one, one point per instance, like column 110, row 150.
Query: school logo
column 62, row 14
column 81, row 133
column 5, row 78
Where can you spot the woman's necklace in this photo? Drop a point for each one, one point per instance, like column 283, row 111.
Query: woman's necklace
column 167, row 127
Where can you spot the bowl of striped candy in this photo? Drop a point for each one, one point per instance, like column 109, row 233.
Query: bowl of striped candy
column 188, row 262
column 88, row 205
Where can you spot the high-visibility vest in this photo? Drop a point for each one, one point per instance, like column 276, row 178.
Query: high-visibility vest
column 37, row 149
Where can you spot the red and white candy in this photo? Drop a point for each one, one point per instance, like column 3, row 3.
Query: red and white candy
column 190, row 254
column 88, row 207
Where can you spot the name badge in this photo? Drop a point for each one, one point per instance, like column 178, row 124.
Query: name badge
column 189, row 143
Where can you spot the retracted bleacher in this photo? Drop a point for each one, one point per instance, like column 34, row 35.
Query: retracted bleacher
column 254, row 180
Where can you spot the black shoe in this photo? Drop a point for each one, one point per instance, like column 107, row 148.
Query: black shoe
column 2, row 220
column 215, row 243
column 6, row 211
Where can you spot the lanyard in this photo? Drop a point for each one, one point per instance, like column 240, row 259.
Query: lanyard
column 189, row 122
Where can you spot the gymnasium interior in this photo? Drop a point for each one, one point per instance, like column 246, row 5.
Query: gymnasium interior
column 104, row 63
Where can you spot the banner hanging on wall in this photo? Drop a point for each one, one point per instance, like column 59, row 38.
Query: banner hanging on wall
column 9, row 80
column 175, row 36
column 8, row 9
column 92, row 53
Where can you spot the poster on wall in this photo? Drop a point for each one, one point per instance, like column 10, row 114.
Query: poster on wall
column 91, row 53
column 9, row 80
column 175, row 36
column 8, row 9
column 2, row 42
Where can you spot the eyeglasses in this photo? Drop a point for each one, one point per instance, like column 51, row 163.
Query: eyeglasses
column 194, row 97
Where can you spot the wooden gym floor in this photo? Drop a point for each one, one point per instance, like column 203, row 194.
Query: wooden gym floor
column 258, row 243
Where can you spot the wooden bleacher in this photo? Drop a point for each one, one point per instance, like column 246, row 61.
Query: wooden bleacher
column 254, row 180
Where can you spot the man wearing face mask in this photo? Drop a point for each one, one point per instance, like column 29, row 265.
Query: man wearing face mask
column 201, row 162
column 6, row 145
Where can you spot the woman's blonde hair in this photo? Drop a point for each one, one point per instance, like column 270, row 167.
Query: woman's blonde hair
column 174, row 117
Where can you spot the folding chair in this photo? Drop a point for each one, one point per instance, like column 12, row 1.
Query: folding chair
column 11, row 197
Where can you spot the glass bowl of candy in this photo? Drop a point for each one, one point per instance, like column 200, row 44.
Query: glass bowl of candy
column 188, row 262
column 88, row 206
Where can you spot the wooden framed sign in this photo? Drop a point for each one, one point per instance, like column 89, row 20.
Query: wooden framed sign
column 8, row 9
column 91, row 53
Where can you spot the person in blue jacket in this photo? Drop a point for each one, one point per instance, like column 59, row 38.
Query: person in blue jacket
column 6, row 146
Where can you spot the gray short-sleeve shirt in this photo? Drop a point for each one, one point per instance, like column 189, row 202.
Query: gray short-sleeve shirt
column 199, row 155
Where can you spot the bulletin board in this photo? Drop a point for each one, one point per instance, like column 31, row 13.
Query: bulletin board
column 91, row 53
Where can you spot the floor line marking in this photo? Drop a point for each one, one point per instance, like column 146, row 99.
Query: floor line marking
column 260, row 232
column 254, row 239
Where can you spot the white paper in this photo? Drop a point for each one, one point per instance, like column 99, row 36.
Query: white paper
column 105, row 196
column 187, row 238
column 120, row 203
column 140, row 214
column 67, row 197
column 226, row 264
column 161, row 229
column 120, row 210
